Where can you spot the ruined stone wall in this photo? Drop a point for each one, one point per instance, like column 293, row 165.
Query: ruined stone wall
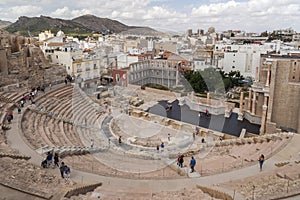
column 23, row 63
column 3, row 62
column 285, row 96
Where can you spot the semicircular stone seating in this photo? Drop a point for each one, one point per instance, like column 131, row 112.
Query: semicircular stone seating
column 52, row 124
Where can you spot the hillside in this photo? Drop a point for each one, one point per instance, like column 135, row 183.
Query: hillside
column 144, row 31
column 98, row 24
column 4, row 23
column 37, row 24
column 85, row 24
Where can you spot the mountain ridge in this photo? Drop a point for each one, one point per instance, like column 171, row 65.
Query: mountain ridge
column 85, row 24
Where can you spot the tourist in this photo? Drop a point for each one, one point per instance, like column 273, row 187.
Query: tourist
column 178, row 158
column 11, row 115
column 261, row 160
column 50, row 86
column 56, row 160
column 92, row 143
column 162, row 146
column 49, row 159
column 19, row 109
column 194, row 135
column 169, row 137
column 62, row 169
column 67, row 172
column 197, row 130
column 157, row 148
column 192, row 164
column 181, row 160
column 120, row 140
column 9, row 119
column 22, row 103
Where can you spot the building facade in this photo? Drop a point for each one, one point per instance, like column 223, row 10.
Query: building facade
column 162, row 72
column 275, row 96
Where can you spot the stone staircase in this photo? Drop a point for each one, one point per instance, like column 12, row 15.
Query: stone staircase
column 64, row 151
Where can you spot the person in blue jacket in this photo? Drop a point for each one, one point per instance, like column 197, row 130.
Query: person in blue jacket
column 192, row 164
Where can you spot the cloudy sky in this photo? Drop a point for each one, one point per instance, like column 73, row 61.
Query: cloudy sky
column 168, row 15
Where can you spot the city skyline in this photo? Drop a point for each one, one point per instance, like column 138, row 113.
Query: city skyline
column 168, row 15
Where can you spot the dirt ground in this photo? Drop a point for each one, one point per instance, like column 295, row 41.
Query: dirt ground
column 282, row 181
column 184, row 194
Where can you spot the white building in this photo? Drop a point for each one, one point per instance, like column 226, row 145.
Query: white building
column 124, row 60
column 199, row 64
column 45, row 35
column 78, row 64
column 243, row 58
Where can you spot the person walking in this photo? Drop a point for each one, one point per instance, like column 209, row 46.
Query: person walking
column 62, row 169
column 92, row 143
column 19, row 109
column 49, row 159
column 67, row 172
column 178, row 158
column 181, row 161
column 192, row 164
column 162, row 146
column 56, row 160
column 261, row 160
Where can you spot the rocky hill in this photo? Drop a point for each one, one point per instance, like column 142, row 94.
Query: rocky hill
column 144, row 31
column 4, row 23
column 37, row 24
column 85, row 24
column 98, row 24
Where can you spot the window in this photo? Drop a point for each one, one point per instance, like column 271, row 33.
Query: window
column 233, row 67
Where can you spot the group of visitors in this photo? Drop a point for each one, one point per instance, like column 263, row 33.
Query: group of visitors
column 180, row 161
column 48, row 162
column 53, row 160
column 162, row 146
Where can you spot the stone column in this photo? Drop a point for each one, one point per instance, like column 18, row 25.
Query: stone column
column 254, row 103
column 268, row 76
column 208, row 99
column 240, row 114
column 249, row 100
column 227, row 110
column 264, row 117
column 256, row 74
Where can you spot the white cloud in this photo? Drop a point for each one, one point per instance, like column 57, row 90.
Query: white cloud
column 249, row 15
column 17, row 11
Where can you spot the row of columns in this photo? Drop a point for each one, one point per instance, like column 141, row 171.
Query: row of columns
column 251, row 107
column 252, row 102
